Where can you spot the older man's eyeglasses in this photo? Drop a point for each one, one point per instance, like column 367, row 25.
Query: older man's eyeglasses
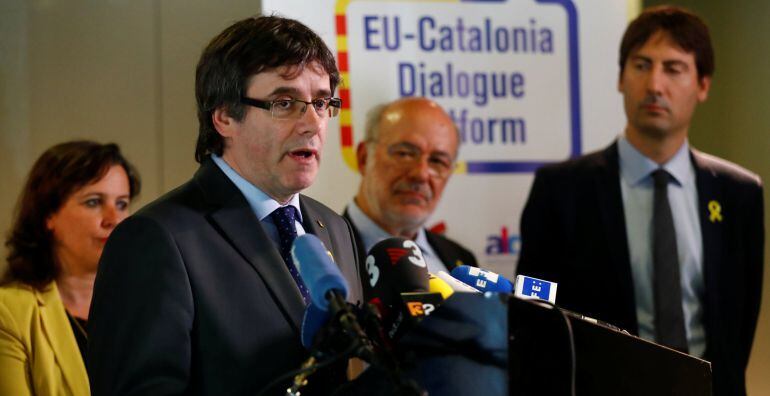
column 293, row 109
column 408, row 155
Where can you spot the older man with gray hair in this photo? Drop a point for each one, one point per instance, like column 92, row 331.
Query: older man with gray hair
column 405, row 161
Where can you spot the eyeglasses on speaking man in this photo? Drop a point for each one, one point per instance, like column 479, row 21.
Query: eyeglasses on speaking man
column 294, row 109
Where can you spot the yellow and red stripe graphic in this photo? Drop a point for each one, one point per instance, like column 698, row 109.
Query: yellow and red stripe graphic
column 347, row 144
column 346, row 119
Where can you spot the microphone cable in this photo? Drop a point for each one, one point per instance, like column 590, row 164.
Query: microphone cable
column 563, row 314
column 573, row 360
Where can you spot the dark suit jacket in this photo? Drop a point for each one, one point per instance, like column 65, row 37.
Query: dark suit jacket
column 192, row 296
column 449, row 251
column 573, row 232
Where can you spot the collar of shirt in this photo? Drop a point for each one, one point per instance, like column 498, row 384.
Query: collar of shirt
column 636, row 168
column 260, row 203
column 371, row 233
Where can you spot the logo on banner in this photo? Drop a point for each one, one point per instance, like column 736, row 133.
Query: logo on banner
column 503, row 243
column 506, row 71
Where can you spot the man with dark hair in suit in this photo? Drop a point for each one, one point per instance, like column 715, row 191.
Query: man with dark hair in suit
column 405, row 160
column 650, row 234
column 197, row 293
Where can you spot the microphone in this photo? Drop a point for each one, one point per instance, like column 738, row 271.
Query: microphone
column 530, row 288
column 455, row 284
column 396, row 265
column 421, row 304
column 482, row 280
column 328, row 290
column 437, row 285
column 329, row 320
column 318, row 271
column 313, row 321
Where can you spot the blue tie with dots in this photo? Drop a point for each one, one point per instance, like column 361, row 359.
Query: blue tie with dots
column 284, row 218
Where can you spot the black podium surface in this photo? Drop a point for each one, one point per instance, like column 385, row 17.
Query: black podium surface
column 498, row 345
column 547, row 356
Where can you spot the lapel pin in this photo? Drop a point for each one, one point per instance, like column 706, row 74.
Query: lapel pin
column 715, row 211
column 320, row 223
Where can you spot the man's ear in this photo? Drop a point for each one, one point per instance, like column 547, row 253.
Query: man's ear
column 704, row 85
column 223, row 123
column 362, row 153
column 620, row 82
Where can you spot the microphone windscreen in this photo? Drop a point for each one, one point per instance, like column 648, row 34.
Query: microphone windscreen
column 455, row 284
column 312, row 322
column 482, row 280
column 395, row 266
column 437, row 285
column 317, row 269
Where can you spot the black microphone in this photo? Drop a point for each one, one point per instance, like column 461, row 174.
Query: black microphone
column 395, row 266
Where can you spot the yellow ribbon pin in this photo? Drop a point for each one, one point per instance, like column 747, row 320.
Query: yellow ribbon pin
column 715, row 210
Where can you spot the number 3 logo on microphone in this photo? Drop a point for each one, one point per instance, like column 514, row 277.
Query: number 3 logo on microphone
column 416, row 257
column 371, row 268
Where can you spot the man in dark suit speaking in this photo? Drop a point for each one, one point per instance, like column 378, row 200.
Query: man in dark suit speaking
column 197, row 293
column 405, row 160
column 650, row 234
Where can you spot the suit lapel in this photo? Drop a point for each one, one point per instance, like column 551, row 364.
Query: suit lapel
column 357, row 236
column 709, row 191
column 444, row 251
column 614, row 227
column 235, row 219
column 58, row 332
column 361, row 252
column 314, row 224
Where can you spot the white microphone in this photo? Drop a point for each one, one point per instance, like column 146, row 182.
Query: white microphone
column 455, row 284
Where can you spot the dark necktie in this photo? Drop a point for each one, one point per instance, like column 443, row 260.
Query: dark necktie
column 284, row 218
column 667, row 289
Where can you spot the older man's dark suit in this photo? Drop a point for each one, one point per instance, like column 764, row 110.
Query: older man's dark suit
column 192, row 296
column 573, row 232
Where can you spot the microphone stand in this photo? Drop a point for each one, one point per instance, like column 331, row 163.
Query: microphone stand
column 344, row 329
column 300, row 379
column 386, row 359
column 351, row 334
column 361, row 344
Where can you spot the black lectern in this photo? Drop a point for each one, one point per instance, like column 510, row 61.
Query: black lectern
column 497, row 345
column 552, row 352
